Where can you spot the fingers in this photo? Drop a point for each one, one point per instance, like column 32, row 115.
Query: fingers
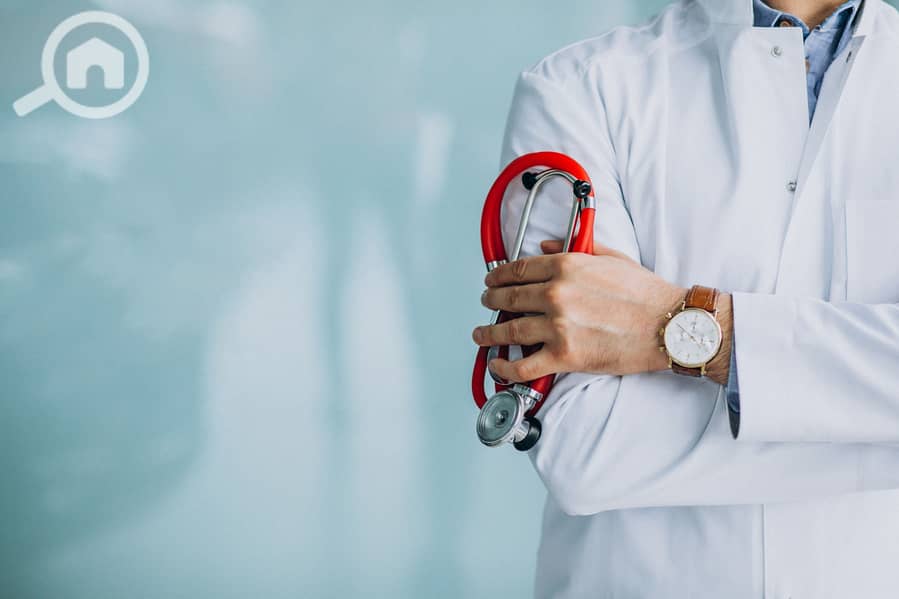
column 526, row 369
column 554, row 246
column 518, row 298
column 527, row 330
column 551, row 246
column 535, row 269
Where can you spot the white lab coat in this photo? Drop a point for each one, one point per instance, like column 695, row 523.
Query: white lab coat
column 694, row 129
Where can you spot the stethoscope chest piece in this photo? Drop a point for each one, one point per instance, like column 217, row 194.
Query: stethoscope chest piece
column 503, row 420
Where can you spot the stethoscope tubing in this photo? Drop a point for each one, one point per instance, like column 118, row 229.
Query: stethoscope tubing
column 579, row 238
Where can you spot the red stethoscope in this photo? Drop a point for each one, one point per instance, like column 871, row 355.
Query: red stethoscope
column 509, row 415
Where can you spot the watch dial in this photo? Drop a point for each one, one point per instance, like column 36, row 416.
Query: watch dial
column 692, row 337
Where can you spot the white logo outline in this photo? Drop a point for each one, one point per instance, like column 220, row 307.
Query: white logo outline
column 51, row 91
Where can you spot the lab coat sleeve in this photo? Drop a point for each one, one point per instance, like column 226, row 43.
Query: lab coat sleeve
column 836, row 367
column 658, row 439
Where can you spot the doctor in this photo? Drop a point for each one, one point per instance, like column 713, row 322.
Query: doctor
column 743, row 158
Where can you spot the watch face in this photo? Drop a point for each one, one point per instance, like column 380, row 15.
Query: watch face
column 692, row 337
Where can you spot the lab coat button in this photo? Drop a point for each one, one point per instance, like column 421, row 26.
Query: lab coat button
column 776, row 51
column 791, row 186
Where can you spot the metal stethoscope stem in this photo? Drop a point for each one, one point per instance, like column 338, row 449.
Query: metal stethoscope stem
column 509, row 416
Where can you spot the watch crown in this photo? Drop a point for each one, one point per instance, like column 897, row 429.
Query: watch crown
column 662, row 332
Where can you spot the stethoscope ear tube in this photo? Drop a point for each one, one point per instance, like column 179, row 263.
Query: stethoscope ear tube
column 510, row 414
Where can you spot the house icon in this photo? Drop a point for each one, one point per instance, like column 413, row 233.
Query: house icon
column 95, row 53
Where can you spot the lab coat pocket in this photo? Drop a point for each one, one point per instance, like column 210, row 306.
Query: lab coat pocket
column 872, row 251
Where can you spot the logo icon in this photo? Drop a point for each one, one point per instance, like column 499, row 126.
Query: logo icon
column 95, row 53
column 92, row 53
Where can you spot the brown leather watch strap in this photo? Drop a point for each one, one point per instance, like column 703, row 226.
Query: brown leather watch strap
column 678, row 369
column 704, row 298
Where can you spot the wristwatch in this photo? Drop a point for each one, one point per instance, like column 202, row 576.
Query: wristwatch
column 692, row 336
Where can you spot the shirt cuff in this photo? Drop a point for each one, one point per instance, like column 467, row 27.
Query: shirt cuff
column 732, row 392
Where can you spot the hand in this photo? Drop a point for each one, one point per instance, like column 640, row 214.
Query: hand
column 598, row 313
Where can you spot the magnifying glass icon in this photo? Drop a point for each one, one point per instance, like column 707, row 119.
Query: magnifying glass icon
column 51, row 91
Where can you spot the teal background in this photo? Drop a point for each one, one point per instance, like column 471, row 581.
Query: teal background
column 234, row 320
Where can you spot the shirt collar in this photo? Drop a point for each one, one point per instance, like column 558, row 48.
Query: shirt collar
column 739, row 12
column 765, row 16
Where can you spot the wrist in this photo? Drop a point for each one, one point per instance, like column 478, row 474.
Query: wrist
column 670, row 303
column 717, row 306
column 718, row 367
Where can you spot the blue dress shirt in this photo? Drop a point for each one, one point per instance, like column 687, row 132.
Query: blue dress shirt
column 822, row 45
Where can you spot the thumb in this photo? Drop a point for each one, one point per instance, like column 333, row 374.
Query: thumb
column 551, row 246
column 554, row 246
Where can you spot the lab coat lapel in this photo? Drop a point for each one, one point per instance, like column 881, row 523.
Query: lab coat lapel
column 763, row 77
column 806, row 266
column 764, row 84
column 832, row 89
column 828, row 99
column 867, row 14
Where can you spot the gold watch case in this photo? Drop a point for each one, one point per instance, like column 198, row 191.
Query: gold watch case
column 670, row 316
